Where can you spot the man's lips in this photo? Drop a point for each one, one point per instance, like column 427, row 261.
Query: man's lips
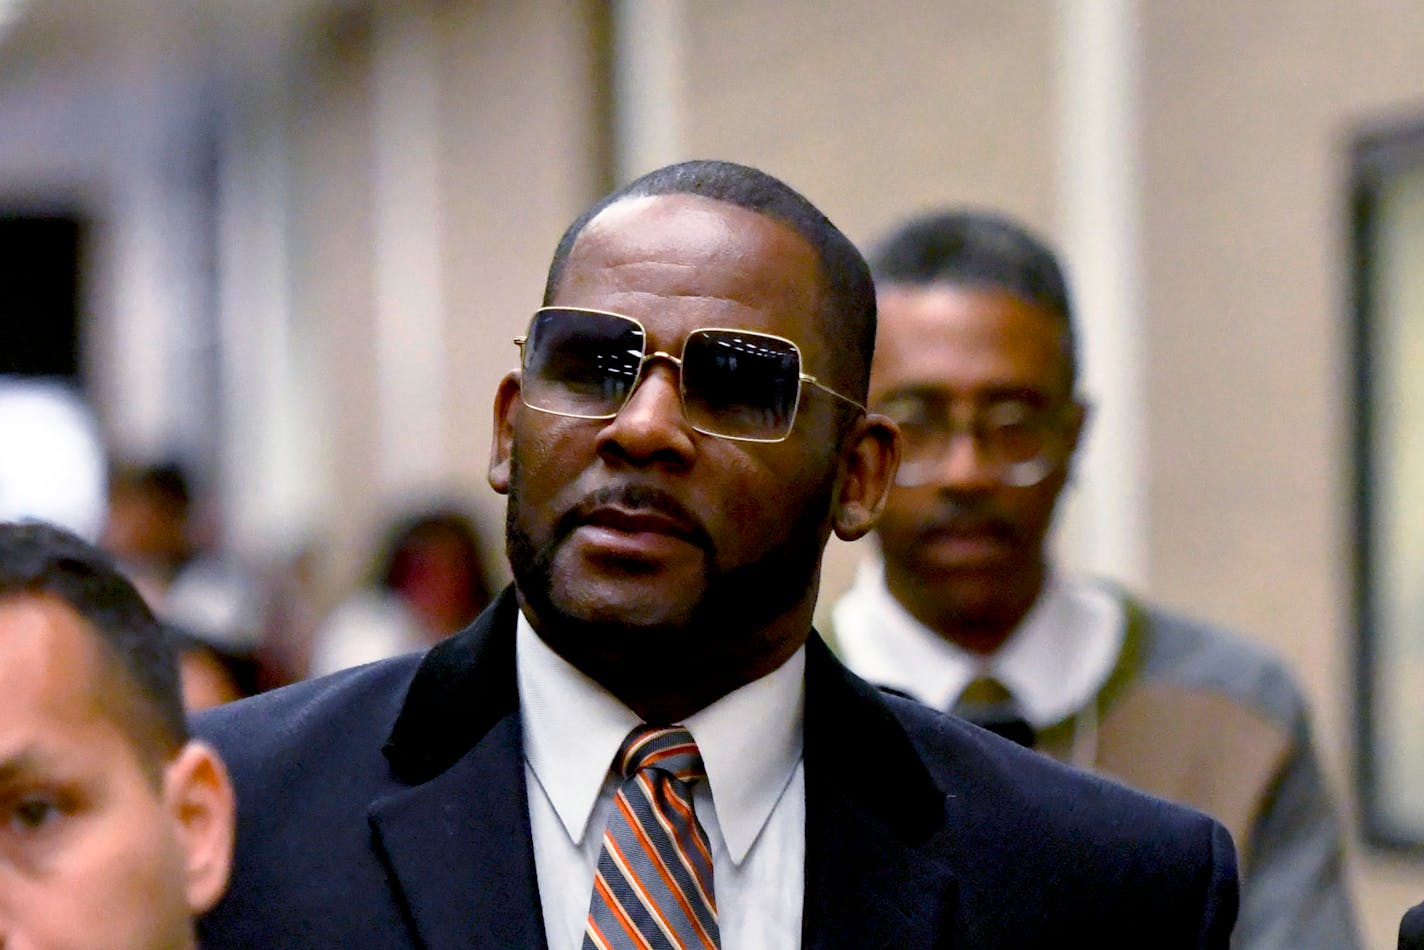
column 635, row 522
column 639, row 521
column 965, row 542
column 634, row 536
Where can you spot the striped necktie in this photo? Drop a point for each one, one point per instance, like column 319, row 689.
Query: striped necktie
column 653, row 887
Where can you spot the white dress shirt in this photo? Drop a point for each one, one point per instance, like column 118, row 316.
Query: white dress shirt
column 1054, row 663
column 752, row 806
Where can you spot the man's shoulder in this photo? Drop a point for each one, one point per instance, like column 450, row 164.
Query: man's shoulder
column 1196, row 654
column 1069, row 842
column 350, row 707
column 1015, row 781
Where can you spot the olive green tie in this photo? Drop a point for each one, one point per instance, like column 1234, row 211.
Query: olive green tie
column 990, row 705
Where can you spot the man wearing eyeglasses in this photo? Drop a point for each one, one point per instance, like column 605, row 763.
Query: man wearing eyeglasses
column 640, row 744
column 975, row 361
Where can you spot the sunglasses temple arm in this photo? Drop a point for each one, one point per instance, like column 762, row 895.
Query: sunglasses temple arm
column 826, row 389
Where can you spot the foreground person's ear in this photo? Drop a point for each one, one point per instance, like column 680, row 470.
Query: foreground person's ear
column 506, row 404
column 200, row 802
column 868, row 465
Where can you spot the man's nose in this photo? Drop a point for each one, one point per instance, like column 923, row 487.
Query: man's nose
column 651, row 427
column 963, row 464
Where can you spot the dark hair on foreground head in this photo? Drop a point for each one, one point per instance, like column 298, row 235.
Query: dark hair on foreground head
column 848, row 295
column 978, row 249
column 38, row 559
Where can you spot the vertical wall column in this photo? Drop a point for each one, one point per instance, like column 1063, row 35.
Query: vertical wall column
column 411, row 350
column 274, row 488
column 649, row 53
column 1099, row 193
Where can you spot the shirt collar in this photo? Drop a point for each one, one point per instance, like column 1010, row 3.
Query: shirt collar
column 573, row 727
column 1054, row 662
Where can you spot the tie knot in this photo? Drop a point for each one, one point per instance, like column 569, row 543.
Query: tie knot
column 984, row 691
column 669, row 748
column 988, row 703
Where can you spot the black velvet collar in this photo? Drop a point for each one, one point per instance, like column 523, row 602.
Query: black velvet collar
column 467, row 683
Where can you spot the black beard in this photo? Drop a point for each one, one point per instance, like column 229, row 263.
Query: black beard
column 727, row 627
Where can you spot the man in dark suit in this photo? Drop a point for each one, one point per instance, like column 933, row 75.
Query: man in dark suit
column 1411, row 929
column 639, row 743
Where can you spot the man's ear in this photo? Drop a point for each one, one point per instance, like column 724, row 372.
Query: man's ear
column 200, row 802
column 506, row 404
column 868, row 465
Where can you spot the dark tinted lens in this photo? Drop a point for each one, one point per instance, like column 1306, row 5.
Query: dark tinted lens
column 743, row 385
column 581, row 364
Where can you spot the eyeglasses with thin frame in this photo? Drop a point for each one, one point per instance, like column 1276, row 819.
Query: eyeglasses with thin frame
column 734, row 384
column 1019, row 441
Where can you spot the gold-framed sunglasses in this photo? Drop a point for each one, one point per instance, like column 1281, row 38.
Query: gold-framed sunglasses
column 734, row 384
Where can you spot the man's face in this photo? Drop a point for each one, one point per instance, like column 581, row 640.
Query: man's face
column 964, row 550
column 95, row 849
column 637, row 533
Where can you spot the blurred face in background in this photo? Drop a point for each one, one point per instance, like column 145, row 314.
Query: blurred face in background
column 107, row 840
column 978, row 380
column 439, row 576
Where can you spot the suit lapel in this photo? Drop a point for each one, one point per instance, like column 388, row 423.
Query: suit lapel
column 875, row 822
column 458, row 848
column 457, row 840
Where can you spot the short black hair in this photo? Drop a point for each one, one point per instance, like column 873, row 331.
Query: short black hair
column 39, row 559
column 848, row 294
column 973, row 248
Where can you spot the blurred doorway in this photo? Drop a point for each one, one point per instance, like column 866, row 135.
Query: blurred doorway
column 39, row 296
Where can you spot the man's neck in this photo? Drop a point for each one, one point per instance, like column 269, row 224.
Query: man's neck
column 664, row 689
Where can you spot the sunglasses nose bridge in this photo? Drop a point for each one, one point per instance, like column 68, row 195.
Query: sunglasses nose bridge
column 648, row 373
column 651, row 425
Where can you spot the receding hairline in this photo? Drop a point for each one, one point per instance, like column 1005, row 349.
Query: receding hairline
column 108, row 688
column 1052, row 316
column 848, row 310
column 821, row 320
column 595, row 226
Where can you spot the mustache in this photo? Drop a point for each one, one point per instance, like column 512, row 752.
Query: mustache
column 967, row 516
column 635, row 499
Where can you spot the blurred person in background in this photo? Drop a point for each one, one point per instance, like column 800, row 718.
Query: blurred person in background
column 117, row 827
column 975, row 361
column 210, row 599
column 148, row 526
column 429, row 581
column 209, row 677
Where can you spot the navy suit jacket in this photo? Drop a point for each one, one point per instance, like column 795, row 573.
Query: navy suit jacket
column 1411, row 929
column 385, row 807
